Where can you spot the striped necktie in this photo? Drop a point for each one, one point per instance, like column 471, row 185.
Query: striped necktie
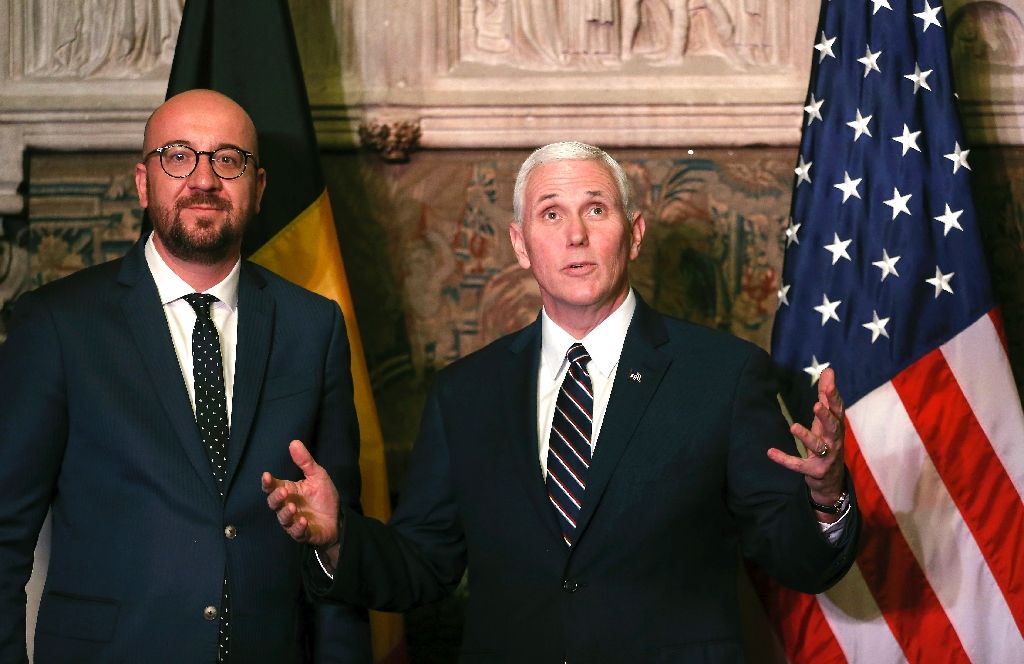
column 570, row 449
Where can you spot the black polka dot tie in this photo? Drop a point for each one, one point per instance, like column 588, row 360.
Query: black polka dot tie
column 208, row 375
column 212, row 418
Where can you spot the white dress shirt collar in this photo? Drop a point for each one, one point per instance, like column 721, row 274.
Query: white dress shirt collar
column 603, row 343
column 172, row 287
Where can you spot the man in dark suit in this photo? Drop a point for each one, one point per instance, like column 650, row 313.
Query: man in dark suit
column 599, row 496
column 142, row 399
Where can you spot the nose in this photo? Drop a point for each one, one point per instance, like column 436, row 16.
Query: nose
column 203, row 176
column 576, row 230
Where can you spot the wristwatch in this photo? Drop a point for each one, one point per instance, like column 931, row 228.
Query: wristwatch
column 835, row 508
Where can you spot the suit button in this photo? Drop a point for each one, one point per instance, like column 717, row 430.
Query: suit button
column 570, row 586
column 210, row 613
column 230, row 532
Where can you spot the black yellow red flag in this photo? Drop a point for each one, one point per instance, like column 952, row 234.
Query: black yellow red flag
column 246, row 49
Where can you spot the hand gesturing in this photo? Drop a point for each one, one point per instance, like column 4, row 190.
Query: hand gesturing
column 307, row 509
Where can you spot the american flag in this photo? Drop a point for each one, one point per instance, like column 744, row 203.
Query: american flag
column 885, row 281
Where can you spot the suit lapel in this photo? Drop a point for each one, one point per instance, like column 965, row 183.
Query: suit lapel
column 144, row 316
column 640, row 371
column 255, row 327
column 518, row 374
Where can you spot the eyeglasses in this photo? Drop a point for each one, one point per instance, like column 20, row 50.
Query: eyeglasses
column 179, row 161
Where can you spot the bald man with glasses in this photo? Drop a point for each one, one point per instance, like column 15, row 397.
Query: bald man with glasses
column 143, row 398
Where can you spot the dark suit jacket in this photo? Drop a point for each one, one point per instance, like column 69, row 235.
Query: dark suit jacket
column 680, row 482
column 95, row 421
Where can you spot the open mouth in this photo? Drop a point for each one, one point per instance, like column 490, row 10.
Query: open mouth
column 578, row 266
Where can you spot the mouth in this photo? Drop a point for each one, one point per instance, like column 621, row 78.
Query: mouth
column 579, row 267
column 203, row 204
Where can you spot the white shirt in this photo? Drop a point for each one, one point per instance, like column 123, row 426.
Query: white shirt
column 181, row 318
column 604, row 344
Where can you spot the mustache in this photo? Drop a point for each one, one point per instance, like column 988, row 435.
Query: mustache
column 205, row 200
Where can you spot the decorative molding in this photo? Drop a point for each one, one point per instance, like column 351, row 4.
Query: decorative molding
column 393, row 140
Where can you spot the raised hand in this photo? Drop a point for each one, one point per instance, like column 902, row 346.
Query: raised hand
column 307, row 509
column 823, row 468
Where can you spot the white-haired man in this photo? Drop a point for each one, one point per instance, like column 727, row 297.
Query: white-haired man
column 598, row 496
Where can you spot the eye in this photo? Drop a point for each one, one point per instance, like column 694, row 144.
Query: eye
column 177, row 154
column 550, row 215
column 230, row 158
column 597, row 209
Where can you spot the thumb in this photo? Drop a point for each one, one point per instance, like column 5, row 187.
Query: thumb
column 302, row 458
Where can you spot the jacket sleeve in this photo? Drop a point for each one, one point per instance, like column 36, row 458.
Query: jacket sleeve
column 340, row 633
column 419, row 557
column 33, row 435
column 778, row 527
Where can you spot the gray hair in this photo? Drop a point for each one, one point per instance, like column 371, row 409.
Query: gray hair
column 570, row 151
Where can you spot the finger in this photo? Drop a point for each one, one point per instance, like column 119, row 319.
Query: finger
column 302, row 458
column 829, row 393
column 832, row 428
column 806, row 467
column 813, row 443
column 278, row 497
column 268, row 482
column 286, row 514
column 298, row 530
column 794, row 463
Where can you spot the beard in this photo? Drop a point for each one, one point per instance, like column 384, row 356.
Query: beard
column 205, row 243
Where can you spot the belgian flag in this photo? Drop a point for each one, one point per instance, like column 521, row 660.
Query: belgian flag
column 246, row 50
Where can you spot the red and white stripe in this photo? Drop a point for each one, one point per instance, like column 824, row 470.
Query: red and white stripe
column 558, row 457
column 567, row 440
column 937, row 459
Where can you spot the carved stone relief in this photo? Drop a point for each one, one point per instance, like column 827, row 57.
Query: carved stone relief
column 99, row 38
column 990, row 33
column 580, row 35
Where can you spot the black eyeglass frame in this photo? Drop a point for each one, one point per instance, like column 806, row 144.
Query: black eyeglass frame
column 246, row 156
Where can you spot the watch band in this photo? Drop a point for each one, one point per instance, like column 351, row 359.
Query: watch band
column 835, row 508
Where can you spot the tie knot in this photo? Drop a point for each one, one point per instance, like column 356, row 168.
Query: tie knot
column 578, row 354
column 200, row 302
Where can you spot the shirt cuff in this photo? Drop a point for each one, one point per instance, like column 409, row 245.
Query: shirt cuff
column 833, row 531
column 331, row 576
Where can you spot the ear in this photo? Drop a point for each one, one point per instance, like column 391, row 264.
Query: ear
column 261, row 184
column 637, row 235
column 141, row 180
column 515, row 233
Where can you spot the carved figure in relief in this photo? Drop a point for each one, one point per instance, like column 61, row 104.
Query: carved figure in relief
column 577, row 34
column 630, row 25
column 100, row 38
column 536, row 39
column 754, row 32
column 987, row 32
column 588, row 26
column 491, row 21
column 680, row 40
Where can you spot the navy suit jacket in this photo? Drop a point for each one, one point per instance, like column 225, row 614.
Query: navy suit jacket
column 95, row 422
column 680, row 484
